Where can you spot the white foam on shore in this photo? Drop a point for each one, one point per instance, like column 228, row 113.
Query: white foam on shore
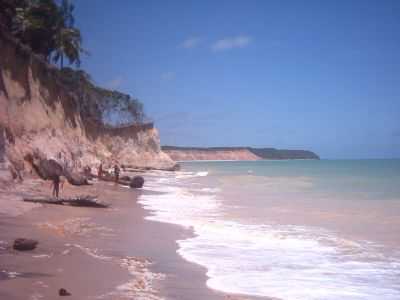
column 143, row 282
column 286, row 262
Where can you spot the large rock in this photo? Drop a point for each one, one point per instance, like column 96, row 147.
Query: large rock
column 47, row 169
column 51, row 168
column 22, row 244
column 137, row 182
column 63, row 292
column 76, row 178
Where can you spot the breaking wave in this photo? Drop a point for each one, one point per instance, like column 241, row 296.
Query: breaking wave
column 282, row 261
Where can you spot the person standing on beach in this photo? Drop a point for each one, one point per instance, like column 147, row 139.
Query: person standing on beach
column 116, row 172
column 56, row 186
column 100, row 171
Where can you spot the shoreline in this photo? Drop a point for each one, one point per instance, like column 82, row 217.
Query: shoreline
column 242, row 160
column 113, row 253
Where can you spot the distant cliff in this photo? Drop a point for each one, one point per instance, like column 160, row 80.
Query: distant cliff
column 235, row 153
column 186, row 153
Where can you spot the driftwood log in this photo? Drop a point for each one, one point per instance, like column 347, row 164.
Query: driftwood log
column 87, row 201
column 111, row 178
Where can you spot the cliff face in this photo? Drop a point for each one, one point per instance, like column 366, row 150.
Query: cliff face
column 39, row 114
column 235, row 153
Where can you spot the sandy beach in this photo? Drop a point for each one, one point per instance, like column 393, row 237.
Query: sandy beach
column 205, row 150
column 93, row 253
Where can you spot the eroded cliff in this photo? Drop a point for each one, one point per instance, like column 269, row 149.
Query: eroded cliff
column 40, row 114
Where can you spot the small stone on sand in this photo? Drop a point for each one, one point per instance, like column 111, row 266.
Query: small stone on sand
column 22, row 244
column 64, row 292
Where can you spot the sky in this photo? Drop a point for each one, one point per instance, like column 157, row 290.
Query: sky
column 317, row 75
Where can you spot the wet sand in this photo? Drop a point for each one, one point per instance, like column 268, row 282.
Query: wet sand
column 93, row 253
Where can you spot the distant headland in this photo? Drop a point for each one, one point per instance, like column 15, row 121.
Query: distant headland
column 235, row 153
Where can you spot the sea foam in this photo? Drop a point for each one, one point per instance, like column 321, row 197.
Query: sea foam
column 282, row 261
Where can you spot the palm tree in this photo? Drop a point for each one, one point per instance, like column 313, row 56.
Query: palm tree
column 66, row 11
column 35, row 23
column 47, row 28
column 68, row 43
column 68, row 40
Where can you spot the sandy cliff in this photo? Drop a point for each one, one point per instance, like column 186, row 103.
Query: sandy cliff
column 235, row 153
column 205, row 154
column 39, row 114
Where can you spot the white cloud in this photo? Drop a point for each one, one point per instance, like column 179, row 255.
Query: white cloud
column 240, row 41
column 114, row 83
column 167, row 76
column 191, row 42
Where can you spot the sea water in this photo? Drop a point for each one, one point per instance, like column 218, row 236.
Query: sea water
column 302, row 230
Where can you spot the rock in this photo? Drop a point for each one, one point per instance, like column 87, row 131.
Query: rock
column 25, row 244
column 51, row 168
column 137, row 182
column 47, row 169
column 63, row 292
column 76, row 179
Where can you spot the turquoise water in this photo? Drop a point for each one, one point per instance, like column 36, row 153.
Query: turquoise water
column 301, row 229
column 374, row 178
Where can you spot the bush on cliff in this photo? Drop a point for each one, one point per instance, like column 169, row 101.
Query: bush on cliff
column 46, row 27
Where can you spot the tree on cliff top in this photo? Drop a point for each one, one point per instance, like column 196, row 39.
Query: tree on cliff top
column 46, row 27
column 68, row 39
column 102, row 105
column 120, row 109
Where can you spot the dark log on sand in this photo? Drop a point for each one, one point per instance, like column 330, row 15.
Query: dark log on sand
column 110, row 178
column 125, row 177
column 86, row 201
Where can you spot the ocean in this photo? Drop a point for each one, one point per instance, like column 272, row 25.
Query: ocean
column 296, row 229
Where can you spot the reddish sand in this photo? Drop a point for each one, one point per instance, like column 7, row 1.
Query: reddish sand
column 93, row 253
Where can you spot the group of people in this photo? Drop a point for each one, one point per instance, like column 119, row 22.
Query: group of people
column 57, row 181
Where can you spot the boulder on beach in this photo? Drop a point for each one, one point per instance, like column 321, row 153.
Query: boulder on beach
column 51, row 168
column 63, row 292
column 76, row 178
column 137, row 182
column 22, row 244
column 46, row 169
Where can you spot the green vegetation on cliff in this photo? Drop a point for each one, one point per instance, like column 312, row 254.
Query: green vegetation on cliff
column 46, row 30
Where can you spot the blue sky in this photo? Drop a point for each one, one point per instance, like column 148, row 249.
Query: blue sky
column 319, row 75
